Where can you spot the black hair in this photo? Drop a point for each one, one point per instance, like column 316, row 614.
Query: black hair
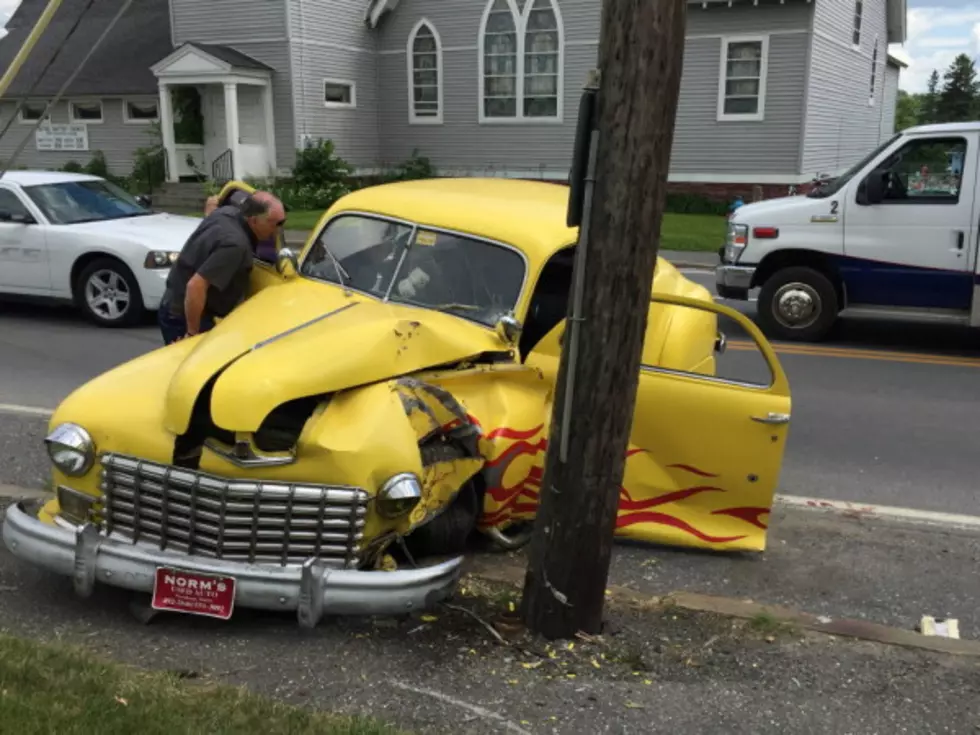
column 251, row 207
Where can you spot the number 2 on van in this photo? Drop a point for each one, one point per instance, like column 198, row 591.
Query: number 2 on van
column 895, row 235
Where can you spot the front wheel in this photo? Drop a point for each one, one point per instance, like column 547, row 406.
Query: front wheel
column 108, row 294
column 798, row 304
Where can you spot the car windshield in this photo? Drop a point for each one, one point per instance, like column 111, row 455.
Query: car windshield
column 410, row 264
column 833, row 186
column 73, row 202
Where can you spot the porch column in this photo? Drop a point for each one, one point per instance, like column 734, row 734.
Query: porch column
column 167, row 132
column 268, row 105
column 232, row 129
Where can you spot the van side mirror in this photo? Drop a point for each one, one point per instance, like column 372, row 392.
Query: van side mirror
column 17, row 219
column 874, row 187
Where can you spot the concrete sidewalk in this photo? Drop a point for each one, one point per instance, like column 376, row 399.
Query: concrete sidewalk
column 680, row 258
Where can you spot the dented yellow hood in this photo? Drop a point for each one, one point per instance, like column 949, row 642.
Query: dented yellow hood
column 305, row 338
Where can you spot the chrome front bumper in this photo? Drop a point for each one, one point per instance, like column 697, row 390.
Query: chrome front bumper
column 734, row 278
column 311, row 590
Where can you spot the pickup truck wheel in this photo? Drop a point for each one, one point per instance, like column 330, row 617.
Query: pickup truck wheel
column 797, row 304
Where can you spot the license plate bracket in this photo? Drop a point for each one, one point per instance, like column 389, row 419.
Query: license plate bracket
column 193, row 593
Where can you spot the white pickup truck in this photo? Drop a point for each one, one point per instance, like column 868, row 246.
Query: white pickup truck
column 896, row 235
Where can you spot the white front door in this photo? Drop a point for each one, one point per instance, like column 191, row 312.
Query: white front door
column 24, row 264
column 917, row 248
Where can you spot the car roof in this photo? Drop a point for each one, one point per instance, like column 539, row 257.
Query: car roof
column 529, row 215
column 33, row 178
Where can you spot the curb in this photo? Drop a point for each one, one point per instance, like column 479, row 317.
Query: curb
column 509, row 573
column 16, row 494
column 864, row 511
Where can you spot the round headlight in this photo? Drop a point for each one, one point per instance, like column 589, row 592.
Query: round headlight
column 71, row 449
column 399, row 495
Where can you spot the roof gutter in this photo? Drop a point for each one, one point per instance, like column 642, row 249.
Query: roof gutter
column 29, row 43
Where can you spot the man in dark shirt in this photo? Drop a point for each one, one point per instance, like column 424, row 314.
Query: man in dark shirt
column 211, row 274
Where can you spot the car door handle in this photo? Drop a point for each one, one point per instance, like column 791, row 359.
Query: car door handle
column 772, row 418
column 959, row 240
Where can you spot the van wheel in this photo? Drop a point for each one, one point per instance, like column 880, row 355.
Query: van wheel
column 798, row 304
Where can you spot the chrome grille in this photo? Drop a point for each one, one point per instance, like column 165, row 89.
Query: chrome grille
column 204, row 515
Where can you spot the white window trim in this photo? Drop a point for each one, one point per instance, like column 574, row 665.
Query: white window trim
column 340, row 105
column 140, row 121
column 760, row 114
column 71, row 112
column 25, row 121
column 859, row 27
column 520, row 22
column 414, row 119
column 873, row 92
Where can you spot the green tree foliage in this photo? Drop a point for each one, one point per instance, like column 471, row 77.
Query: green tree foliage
column 958, row 100
column 908, row 109
column 952, row 97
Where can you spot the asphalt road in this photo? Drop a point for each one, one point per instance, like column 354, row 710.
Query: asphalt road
column 883, row 413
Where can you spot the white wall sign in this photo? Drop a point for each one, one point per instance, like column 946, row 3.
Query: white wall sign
column 62, row 137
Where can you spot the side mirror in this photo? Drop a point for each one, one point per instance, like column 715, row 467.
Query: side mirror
column 286, row 263
column 874, row 187
column 721, row 343
column 509, row 329
column 144, row 199
column 17, row 219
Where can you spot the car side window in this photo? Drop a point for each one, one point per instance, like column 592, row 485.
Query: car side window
column 10, row 204
column 926, row 171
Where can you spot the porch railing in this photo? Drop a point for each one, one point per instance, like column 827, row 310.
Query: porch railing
column 223, row 168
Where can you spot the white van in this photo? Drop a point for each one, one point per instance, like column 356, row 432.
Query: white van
column 894, row 236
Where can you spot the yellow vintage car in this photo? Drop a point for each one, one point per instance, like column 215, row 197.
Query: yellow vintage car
column 380, row 397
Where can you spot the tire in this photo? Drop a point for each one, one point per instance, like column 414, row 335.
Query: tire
column 121, row 307
column 809, row 305
column 450, row 531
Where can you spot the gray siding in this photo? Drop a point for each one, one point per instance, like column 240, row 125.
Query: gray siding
column 702, row 143
column 114, row 137
column 228, row 22
column 256, row 28
column 888, row 107
column 841, row 125
column 329, row 40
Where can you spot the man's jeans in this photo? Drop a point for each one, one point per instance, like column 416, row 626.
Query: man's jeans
column 174, row 327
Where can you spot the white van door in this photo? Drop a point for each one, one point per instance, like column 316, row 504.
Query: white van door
column 916, row 248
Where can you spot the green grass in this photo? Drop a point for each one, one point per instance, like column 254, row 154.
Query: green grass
column 690, row 232
column 53, row 688
column 699, row 232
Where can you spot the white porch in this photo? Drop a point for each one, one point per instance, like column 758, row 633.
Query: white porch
column 237, row 109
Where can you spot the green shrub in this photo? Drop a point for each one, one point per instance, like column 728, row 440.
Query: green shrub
column 319, row 167
column 414, row 167
column 694, row 204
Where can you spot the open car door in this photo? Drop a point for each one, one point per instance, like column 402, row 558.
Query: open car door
column 265, row 272
column 709, row 428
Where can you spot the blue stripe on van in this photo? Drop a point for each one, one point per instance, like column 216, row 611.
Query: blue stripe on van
column 878, row 283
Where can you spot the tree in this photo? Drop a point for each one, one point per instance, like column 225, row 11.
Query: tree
column 928, row 109
column 640, row 56
column 907, row 110
column 957, row 101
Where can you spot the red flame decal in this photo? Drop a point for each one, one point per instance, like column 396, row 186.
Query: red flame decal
column 666, row 520
column 689, row 468
column 749, row 515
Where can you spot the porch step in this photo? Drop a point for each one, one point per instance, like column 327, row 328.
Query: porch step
column 181, row 196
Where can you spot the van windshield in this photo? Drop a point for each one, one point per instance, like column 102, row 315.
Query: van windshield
column 833, row 186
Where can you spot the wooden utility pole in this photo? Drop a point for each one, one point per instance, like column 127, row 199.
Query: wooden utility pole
column 641, row 51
